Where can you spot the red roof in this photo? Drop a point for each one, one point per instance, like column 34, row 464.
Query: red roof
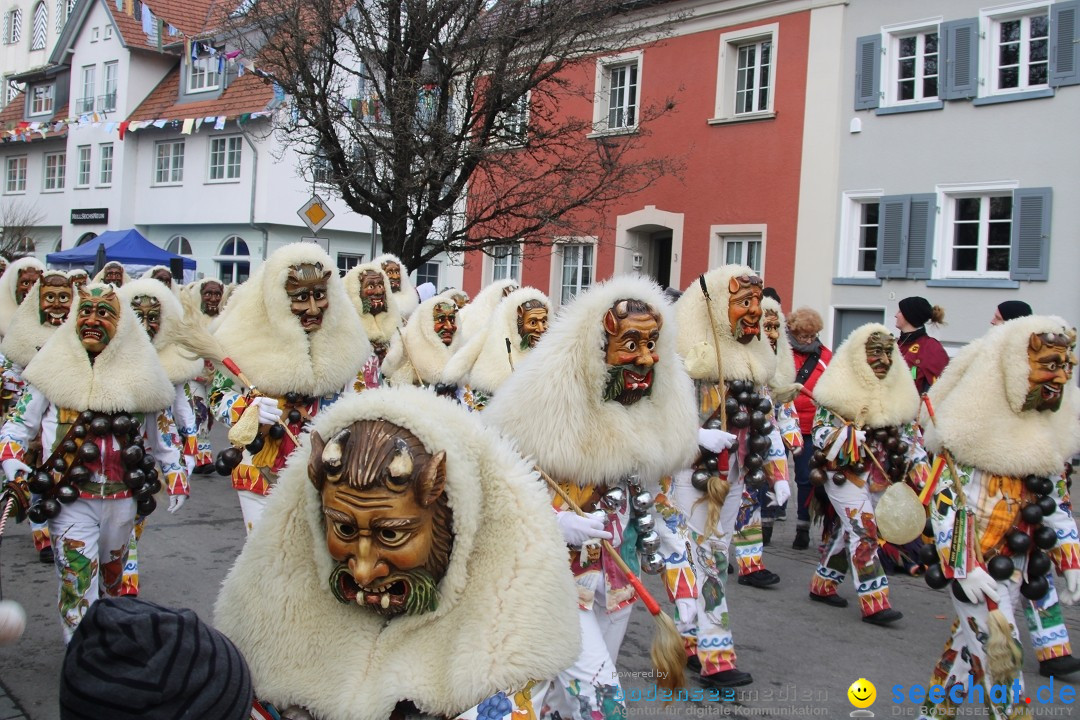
column 12, row 115
column 246, row 94
column 188, row 16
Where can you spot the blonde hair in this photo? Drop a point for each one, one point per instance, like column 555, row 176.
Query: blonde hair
column 804, row 321
column 937, row 315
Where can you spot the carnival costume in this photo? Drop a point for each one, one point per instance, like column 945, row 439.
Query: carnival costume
column 419, row 352
column 1006, row 423
column 202, row 307
column 368, row 289
column 162, row 274
column 502, row 613
column 400, row 285
column 474, row 317
column 603, row 406
column 296, row 371
column 15, row 284
column 113, row 273
column 103, row 423
column 483, row 364
column 783, row 389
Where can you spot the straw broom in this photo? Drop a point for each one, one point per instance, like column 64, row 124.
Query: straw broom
column 668, row 654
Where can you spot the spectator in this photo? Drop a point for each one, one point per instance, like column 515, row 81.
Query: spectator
column 921, row 352
column 1010, row 310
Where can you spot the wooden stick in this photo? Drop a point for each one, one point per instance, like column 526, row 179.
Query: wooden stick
column 408, row 357
column 721, row 388
column 509, row 354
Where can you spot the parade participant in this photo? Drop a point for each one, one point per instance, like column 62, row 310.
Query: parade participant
column 782, row 389
column 866, row 439
column 15, row 285
column 1010, row 310
column 293, row 333
column 419, row 351
column 368, row 288
column 203, row 308
column 162, row 274
column 924, row 354
column 79, row 277
column 30, row 328
column 400, row 285
column 604, row 407
column 474, row 317
column 416, row 561
column 1005, row 422
column 811, row 359
column 97, row 395
column 113, row 273
column 486, row 361
column 459, row 296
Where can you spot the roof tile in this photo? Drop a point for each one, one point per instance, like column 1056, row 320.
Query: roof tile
column 246, row 94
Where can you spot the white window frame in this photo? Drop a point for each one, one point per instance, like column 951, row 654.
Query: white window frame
column 11, row 90
column 47, row 97
column 15, row 174
column 989, row 30
column 346, row 261
column 230, row 159
column 110, row 76
column 727, row 84
column 180, row 240
column 85, row 102
column 106, row 157
column 95, row 34
column 39, row 26
column 236, row 260
column 106, row 33
column 438, row 273
column 202, row 75
column 601, row 103
column 54, row 166
column 13, row 26
column 743, row 240
column 558, row 254
column 82, row 166
column 496, row 258
column 850, row 232
column 947, row 196
column 169, row 165
column 718, row 234
column 890, row 64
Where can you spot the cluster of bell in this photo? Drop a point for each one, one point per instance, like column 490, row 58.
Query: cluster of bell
column 230, row 457
column 58, row 483
column 641, row 501
column 745, row 409
column 894, row 462
column 1017, row 542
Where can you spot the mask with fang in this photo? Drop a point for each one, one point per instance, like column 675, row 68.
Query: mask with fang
column 393, row 272
column 770, row 325
column 148, row 311
column 54, row 299
column 306, row 286
column 373, row 293
column 97, row 318
column 744, row 307
column 27, row 278
column 632, row 328
column 445, row 316
column 210, row 295
column 163, row 276
column 114, row 274
column 1051, row 359
column 532, row 322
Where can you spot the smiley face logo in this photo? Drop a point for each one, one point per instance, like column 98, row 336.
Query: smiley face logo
column 862, row 693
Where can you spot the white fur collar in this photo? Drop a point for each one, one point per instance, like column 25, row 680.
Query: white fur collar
column 507, row 584
column 782, row 383
column 754, row 361
column 978, row 401
column 8, row 284
column 260, row 333
column 125, row 376
column 553, row 403
column 483, row 362
column 380, row 328
column 405, row 298
column 422, row 352
column 177, row 364
column 27, row 334
column 473, row 318
column 849, row 388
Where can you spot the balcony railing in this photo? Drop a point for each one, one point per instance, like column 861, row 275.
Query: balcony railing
column 107, row 102
column 84, row 105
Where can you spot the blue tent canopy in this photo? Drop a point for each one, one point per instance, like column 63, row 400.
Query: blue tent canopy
column 124, row 246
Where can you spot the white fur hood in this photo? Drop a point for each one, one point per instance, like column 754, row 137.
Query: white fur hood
column 553, row 404
column 178, row 366
column 978, row 401
column 27, row 334
column 849, row 388
column 8, row 284
column 406, row 298
column 507, row 610
column 422, row 352
column 260, row 333
column 782, row 383
column 380, row 328
column 473, row 318
column 100, row 277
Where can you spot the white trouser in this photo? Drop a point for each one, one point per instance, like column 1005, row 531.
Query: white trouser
column 252, row 506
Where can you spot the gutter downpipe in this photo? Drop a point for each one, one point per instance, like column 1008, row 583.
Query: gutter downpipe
column 254, row 185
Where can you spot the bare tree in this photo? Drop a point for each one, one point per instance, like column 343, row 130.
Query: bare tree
column 18, row 220
column 407, row 109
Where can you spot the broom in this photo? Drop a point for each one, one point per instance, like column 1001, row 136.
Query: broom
column 1003, row 655
column 668, row 654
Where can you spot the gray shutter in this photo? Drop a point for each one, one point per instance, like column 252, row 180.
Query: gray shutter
column 892, row 236
column 867, row 72
column 961, row 52
column 1064, row 44
column 1030, row 251
column 922, row 218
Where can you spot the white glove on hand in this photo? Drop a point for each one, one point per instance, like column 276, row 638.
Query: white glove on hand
column 715, row 440
column 269, row 412
column 781, row 491
column 13, row 467
column 577, row 529
column 687, row 611
column 1071, row 596
column 979, row 586
column 176, row 502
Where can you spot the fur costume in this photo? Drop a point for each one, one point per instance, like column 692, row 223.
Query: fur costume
column 178, row 366
column 849, row 388
column 426, row 355
column 553, row 404
column 126, row 376
column 8, row 284
column 191, row 296
column 506, row 586
column 100, row 277
column 474, row 316
column 406, row 298
column 380, row 328
column 978, row 405
column 754, row 361
column 782, row 385
column 261, row 334
column 149, row 274
column 27, row 333
column 482, row 363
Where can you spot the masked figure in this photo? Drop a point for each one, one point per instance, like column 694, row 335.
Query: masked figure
column 203, row 303
column 162, row 274
column 579, row 404
column 420, row 351
column 482, row 364
column 113, row 273
column 79, row 278
column 15, row 284
column 474, row 317
column 293, row 333
column 368, row 288
column 401, row 287
column 400, row 521
column 1007, row 419
column 98, row 396
column 460, row 297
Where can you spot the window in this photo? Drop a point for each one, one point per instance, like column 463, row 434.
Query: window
column 107, row 102
column 95, row 34
column 61, row 14
column 428, row 273
column 105, row 161
column 618, row 87
column 82, row 176
column 203, row 75
column 178, row 245
column 744, row 250
column 16, row 175
column 234, row 261
column 12, row 26
column 752, row 77
column 979, row 230
column 169, row 162
column 867, row 243
column 320, row 168
column 41, row 26
column 225, row 158
column 913, row 66
column 746, row 74
column 511, row 126
column 11, row 89
column 506, row 262
column 41, row 99
column 347, row 261
column 85, row 104
column 1020, row 57
column 577, row 270
column 55, row 170
column 85, row 238
column 106, row 33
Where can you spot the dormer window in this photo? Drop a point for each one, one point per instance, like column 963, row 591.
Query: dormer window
column 42, row 99
column 203, row 75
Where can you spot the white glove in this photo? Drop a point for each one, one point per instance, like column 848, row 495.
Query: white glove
column 269, row 412
column 715, row 440
column 979, row 586
column 13, row 467
column 781, row 491
column 687, row 610
column 577, row 529
column 176, row 502
column 1071, row 596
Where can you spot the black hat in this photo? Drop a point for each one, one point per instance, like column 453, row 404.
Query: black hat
column 133, row 659
column 1012, row 309
column 916, row 310
column 770, row 292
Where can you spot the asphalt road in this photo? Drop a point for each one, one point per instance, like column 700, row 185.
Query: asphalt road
column 803, row 655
